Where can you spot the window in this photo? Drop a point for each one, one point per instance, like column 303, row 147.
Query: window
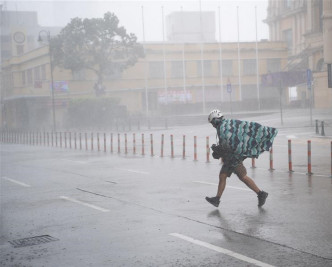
column 273, row 65
column 23, row 78
column 227, row 67
column 36, row 73
column 207, row 68
column 249, row 66
column 156, row 69
column 43, row 72
column 288, row 38
column 29, row 76
column 177, row 69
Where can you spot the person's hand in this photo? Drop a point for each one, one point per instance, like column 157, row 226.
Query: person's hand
column 215, row 155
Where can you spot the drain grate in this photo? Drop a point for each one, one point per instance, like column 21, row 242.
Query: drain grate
column 31, row 241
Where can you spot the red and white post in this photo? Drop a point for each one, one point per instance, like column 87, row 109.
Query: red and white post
column 184, row 147
column 290, row 164
column 151, row 142
column 105, row 142
column 134, row 144
column 253, row 163
column 195, row 148
column 162, row 146
column 98, row 142
column 111, row 143
column 142, row 144
column 271, row 159
column 207, row 150
column 126, row 144
column 309, row 157
column 80, row 141
column 172, row 147
column 86, row 141
column 331, row 158
column 119, row 150
column 91, row 141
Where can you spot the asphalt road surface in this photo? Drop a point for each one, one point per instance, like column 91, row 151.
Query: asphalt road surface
column 67, row 207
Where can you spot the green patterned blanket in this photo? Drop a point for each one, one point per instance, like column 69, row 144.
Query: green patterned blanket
column 246, row 139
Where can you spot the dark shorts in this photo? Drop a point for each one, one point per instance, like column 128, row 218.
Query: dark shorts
column 239, row 170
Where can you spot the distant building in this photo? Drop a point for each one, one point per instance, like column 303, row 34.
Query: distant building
column 172, row 84
column 191, row 27
column 19, row 32
column 300, row 25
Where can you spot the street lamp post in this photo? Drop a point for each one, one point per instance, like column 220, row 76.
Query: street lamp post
column 40, row 39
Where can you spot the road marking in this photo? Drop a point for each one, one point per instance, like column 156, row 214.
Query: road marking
column 76, row 161
column 84, row 204
column 15, row 182
column 221, row 250
column 227, row 186
column 291, row 137
column 134, row 171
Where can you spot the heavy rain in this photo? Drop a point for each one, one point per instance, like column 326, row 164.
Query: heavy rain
column 166, row 133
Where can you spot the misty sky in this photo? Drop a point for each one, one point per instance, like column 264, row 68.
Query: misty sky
column 59, row 13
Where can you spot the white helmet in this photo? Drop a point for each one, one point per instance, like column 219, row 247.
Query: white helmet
column 215, row 114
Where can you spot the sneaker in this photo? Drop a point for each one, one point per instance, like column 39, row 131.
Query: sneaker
column 261, row 198
column 213, row 200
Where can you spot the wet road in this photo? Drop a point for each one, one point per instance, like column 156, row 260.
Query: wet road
column 103, row 209
column 133, row 210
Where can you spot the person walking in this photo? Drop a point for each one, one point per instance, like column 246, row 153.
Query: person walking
column 238, row 140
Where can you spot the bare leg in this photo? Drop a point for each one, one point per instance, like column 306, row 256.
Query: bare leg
column 250, row 183
column 222, row 184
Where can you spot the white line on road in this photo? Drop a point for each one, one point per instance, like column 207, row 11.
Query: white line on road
column 221, row 250
column 76, row 161
column 134, row 171
column 84, row 204
column 227, row 186
column 15, row 182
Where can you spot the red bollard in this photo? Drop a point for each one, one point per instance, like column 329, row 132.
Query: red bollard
column 331, row 158
column 126, row 148
column 207, row 150
column 271, row 159
column 91, row 141
column 134, row 143
column 98, row 142
column 119, row 143
column 195, row 148
column 111, row 143
column 86, row 141
column 309, row 157
column 105, row 142
column 290, row 165
column 151, row 140
column 69, row 140
column 172, row 147
column 184, row 147
column 80, row 141
column 75, row 140
column 143, row 144
column 253, row 163
column 162, row 146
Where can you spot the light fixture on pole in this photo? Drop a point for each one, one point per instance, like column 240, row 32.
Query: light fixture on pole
column 40, row 40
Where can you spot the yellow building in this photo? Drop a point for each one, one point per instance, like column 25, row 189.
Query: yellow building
column 156, row 79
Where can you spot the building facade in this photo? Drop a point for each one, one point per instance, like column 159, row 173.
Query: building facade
column 170, row 79
column 299, row 24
